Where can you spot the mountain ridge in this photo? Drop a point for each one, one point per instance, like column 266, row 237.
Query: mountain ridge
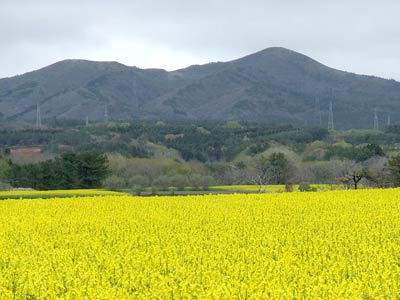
column 275, row 85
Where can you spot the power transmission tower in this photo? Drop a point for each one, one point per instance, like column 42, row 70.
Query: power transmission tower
column 318, row 115
column 376, row 120
column 38, row 117
column 106, row 113
column 331, row 124
column 135, row 94
column 389, row 121
column 87, row 121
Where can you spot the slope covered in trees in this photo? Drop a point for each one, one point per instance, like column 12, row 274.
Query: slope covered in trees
column 161, row 155
column 275, row 85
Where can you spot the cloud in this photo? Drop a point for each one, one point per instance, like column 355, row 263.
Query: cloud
column 358, row 36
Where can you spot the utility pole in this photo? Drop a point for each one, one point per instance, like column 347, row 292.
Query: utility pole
column 38, row 117
column 331, row 124
column 376, row 120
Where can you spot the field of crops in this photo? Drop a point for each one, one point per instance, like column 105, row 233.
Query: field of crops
column 330, row 245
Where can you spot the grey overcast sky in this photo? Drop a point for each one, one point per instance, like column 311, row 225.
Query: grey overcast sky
column 354, row 35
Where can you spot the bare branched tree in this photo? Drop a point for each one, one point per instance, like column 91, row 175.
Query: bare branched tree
column 260, row 175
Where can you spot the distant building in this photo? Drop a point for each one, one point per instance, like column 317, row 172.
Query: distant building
column 65, row 148
column 26, row 150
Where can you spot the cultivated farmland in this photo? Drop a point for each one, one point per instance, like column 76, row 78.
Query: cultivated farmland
column 325, row 245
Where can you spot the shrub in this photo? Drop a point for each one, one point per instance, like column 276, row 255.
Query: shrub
column 305, row 187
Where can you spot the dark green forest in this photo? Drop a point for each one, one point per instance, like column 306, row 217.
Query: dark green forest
column 161, row 154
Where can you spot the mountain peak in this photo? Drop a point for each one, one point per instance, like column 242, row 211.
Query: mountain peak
column 281, row 50
column 83, row 63
column 274, row 53
column 275, row 85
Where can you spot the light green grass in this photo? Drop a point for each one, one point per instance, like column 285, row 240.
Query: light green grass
column 16, row 194
column 273, row 188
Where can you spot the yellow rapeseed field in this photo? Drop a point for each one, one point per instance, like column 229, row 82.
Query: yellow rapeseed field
column 328, row 245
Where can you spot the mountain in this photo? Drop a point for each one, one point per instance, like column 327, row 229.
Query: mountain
column 275, row 85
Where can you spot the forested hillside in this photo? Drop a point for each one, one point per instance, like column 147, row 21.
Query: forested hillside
column 274, row 86
column 184, row 154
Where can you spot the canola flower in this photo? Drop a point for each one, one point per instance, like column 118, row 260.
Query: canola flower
column 331, row 245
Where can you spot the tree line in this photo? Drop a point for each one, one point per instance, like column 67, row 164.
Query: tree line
column 69, row 171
